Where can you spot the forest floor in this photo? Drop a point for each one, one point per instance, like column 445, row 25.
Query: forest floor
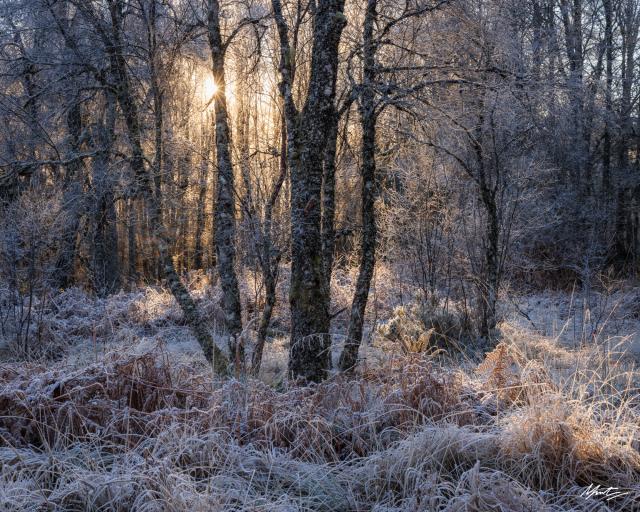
column 575, row 319
column 121, row 413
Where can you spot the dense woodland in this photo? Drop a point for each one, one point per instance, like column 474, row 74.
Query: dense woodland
column 477, row 143
column 319, row 255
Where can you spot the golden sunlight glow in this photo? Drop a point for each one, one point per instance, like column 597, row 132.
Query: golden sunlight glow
column 209, row 87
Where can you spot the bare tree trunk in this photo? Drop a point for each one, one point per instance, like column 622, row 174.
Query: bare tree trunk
column 349, row 356
column 225, row 204
column 571, row 13
column 132, row 249
column 625, row 248
column 308, row 130
column 488, row 183
column 606, row 150
column 244, row 164
column 158, row 119
column 105, row 267
column 329, row 201
column 145, row 189
column 537, row 43
column 269, row 258
column 73, row 200
column 198, row 251
column 490, row 286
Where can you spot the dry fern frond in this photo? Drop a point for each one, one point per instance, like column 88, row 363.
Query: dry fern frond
column 418, row 344
column 502, row 369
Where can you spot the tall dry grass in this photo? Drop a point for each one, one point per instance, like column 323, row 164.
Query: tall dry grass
column 134, row 428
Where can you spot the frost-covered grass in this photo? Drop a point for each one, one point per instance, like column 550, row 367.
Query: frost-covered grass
column 128, row 417
column 578, row 318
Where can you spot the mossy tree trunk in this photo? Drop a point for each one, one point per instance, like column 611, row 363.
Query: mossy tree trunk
column 307, row 134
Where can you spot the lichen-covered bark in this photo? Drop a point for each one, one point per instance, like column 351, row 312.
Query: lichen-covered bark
column 225, row 202
column 308, row 130
column 349, row 356
column 489, row 291
column 158, row 117
column 329, row 200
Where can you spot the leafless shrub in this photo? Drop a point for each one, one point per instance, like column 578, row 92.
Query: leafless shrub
column 30, row 230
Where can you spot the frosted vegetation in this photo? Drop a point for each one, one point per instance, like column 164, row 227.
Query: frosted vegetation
column 118, row 411
column 319, row 255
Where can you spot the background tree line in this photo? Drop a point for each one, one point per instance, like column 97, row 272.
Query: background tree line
column 469, row 145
